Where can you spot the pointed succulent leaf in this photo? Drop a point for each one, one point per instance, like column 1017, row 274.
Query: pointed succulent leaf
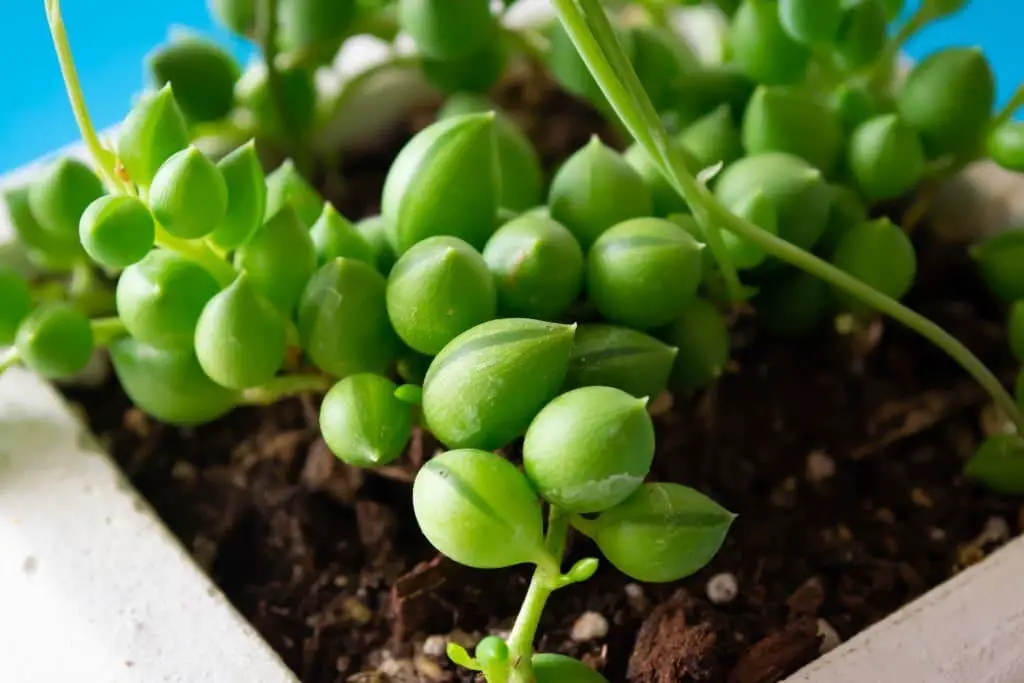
column 247, row 197
column 782, row 120
column 756, row 208
column 811, row 22
column 862, row 35
column 702, row 337
column 314, row 25
column 999, row 258
column 287, row 187
column 160, row 299
column 665, row 199
column 999, row 464
column 1006, row 145
column 169, row 384
column 475, row 72
column 848, row 210
column 154, row 129
column 478, row 509
column 443, row 29
column 886, row 158
column 439, row 289
column 762, row 48
column 240, row 338
column 189, row 196
column 611, row 356
column 713, row 138
column 117, row 231
column 293, row 113
column 202, row 74
column 237, row 15
column 537, row 266
column 48, row 251
column 643, row 272
column 552, row 668
column 55, row 340
column 60, row 196
column 854, row 103
column 374, row 230
column 486, row 385
column 343, row 321
column 595, row 189
column 703, row 90
column 334, row 236
column 279, row 259
column 663, row 532
column 362, row 421
column 15, row 304
column 659, row 57
column 445, row 181
column 589, row 449
column 878, row 253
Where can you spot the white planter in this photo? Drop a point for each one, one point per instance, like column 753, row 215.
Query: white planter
column 93, row 587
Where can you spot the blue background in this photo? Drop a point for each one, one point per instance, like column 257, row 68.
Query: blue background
column 109, row 38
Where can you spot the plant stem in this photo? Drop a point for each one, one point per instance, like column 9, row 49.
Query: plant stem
column 285, row 386
column 106, row 330
column 267, row 32
column 8, row 359
column 585, row 21
column 104, row 158
column 1007, row 112
column 198, row 251
column 542, row 585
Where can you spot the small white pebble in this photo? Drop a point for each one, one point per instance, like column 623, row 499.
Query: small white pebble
column 830, row 639
column 937, row 534
column 435, row 646
column 820, row 467
column 635, row 597
column 997, row 530
column 589, row 626
column 722, row 588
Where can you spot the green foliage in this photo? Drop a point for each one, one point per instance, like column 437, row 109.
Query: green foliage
column 619, row 357
column 154, row 130
column 537, row 267
column 665, row 198
column 811, row 22
column 375, row 230
column 436, row 291
column 1015, row 329
column 362, row 421
column 202, row 74
column 247, row 197
column 886, row 158
column 315, row 26
column 855, row 103
column 999, row 464
column 189, row 197
column 762, row 48
column 281, row 117
column 53, row 253
column 60, row 196
column 55, row 340
column 334, row 236
column 237, row 15
column 279, row 259
column 784, row 120
column 999, row 259
column 117, row 231
column 589, row 449
column 1006, row 145
column 287, row 187
column 443, row 29
column 759, row 210
column 793, row 305
column 713, row 138
column 862, row 35
column 659, row 58
column 880, row 254
column 15, row 304
column 473, row 73
column 702, row 337
column 550, row 668
column 478, row 509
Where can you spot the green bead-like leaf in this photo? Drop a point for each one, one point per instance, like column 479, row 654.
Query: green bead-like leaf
column 60, row 196
column 375, row 230
column 478, row 509
column 759, row 210
column 794, row 305
column 642, row 273
column 797, row 190
column 237, row 15
column 444, row 182
column 117, row 231
column 811, row 21
column 519, row 164
column 612, row 356
column 537, row 266
column 247, row 197
column 663, row 532
column 568, row 67
column 595, row 189
column 476, row 72
column 314, row 25
column 363, row 423
column 293, row 113
column 48, row 251
column 879, row 254
column 886, row 158
column 848, row 210
column 15, row 304
column 702, row 91
column 552, row 668
column 893, row 9
column 439, row 289
column 202, row 74
column 169, row 384
column 1015, row 329
column 702, row 337
column 713, row 138
column 999, row 258
column 154, row 130
column 863, row 34
column 55, row 340
column 665, row 199
column 948, row 99
column 589, row 449
column 343, row 320
column 240, row 338
column 762, row 48
column 443, row 29
column 1006, row 145
column 160, row 299
column 854, row 103
column 485, row 387
column 782, row 120
column 334, row 236
column 999, row 464
column 659, row 57
column 279, row 259
column 287, row 187
column 1019, row 390
column 189, row 196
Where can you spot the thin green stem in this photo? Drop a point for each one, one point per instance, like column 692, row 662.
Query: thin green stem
column 542, row 585
column 1007, row 112
column 285, row 386
column 8, row 359
column 198, row 251
column 575, row 15
column 106, row 330
column 267, row 32
column 105, row 159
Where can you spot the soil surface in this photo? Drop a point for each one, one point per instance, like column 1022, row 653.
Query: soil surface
column 842, row 456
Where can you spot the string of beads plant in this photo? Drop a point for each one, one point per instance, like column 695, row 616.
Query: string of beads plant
column 486, row 305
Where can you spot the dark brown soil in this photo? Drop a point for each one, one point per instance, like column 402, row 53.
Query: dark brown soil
column 841, row 455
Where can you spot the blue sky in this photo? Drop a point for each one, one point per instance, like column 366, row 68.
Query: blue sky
column 109, row 45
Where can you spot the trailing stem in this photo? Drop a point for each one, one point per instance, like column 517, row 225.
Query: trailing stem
column 588, row 26
column 267, row 34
